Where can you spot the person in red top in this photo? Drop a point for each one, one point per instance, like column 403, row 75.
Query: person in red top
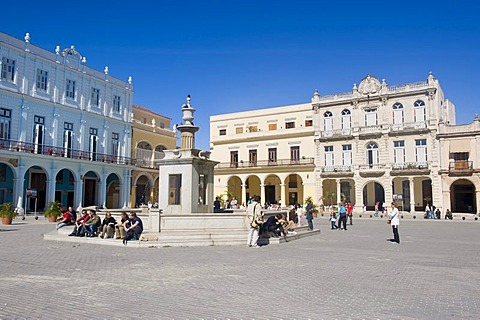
column 65, row 220
column 78, row 230
column 350, row 212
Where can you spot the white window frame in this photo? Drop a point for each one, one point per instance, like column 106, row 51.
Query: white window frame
column 117, row 103
column 42, row 80
column 371, row 114
column 67, row 139
column 8, row 69
column 399, row 152
column 372, row 154
column 347, row 155
column 5, row 123
column 329, row 158
column 95, row 97
column 346, row 121
column 421, row 151
column 115, row 144
column 70, row 91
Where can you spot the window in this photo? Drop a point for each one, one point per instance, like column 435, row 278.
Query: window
column 308, row 123
column 272, row 155
column 397, row 114
column 233, row 159
column 8, row 69
column 370, row 117
column 174, row 188
column 328, row 121
column 38, row 133
column 252, row 128
column 42, row 80
column 421, row 150
column 115, row 144
column 459, row 156
column 272, row 126
column 93, row 144
column 329, row 157
column 70, row 89
column 116, row 104
column 372, row 154
column 419, row 111
column 67, row 139
column 289, row 125
column 238, row 130
column 95, row 98
column 162, row 125
column 295, row 153
column 223, row 132
column 5, row 118
column 398, row 152
column 346, row 121
column 252, row 157
column 347, row 154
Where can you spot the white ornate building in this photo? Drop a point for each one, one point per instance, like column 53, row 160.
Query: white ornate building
column 373, row 143
column 64, row 129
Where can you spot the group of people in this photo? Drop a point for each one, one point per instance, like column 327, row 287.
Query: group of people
column 431, row 212
column 89, row 224
column 338, row 219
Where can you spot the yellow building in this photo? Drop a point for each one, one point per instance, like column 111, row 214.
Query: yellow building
column 151, row 134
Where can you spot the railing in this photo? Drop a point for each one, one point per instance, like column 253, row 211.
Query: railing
column 370, row 129
column 24, row 147
column 338, row 132
column 410, row 166
column 403, row 87
column 375, row 166
column 266, row 163
column 338, row 168
column 460, row 165
column 408, row 125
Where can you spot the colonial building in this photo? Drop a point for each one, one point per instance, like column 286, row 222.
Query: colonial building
column 372, row 144
column 150, row 136
column 64, row 129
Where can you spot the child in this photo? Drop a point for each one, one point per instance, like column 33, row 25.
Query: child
column 333, row 220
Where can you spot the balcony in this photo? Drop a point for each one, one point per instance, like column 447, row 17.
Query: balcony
column 337, row 171
column 335, row 134
column 408, row 128
column 370, row 131
column 266, row 164
column 146, row 158
column 410, row 168
column 52, row 151
column 372, row 170
column 460, row 168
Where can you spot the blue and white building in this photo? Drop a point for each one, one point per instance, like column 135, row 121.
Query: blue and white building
column 65, row 129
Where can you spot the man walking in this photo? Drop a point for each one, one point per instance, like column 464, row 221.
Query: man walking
column 255, row 217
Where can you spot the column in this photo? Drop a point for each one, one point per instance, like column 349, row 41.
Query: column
column 126, row 189
column 339, row 191
column 262, row 193
column 19, row 186
column 79, row 193
column 283, row 199
column 103, row 191
column 50, row 191
column 412, row 195
column 477, row 194
column 359, row 205
column 446, row 200
column 244, row 194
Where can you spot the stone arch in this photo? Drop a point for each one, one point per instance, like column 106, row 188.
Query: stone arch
column 373, row 191
column 65, row 187
column 293, row 189
column 7, row 176
column 272, row 188
column 113, row 191
column 234, row 188
column 463, row 196
column 36, row 178
column 143, row 186
column 91, row 189
column 253, row 185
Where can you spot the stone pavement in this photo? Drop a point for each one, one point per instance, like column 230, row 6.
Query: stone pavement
column 433, row 274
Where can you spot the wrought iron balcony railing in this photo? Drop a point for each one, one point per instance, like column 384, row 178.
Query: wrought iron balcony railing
column 338, row 168
column 47, row 150
column 410, row 166
column 460, row 165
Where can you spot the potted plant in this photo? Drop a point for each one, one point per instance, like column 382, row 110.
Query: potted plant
column 53, row 211
column 7, row 212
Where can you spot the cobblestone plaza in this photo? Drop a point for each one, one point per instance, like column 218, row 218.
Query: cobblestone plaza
column 354, row 274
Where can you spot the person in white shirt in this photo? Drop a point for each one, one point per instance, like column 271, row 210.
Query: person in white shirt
column 255, row 219
column 394, row 221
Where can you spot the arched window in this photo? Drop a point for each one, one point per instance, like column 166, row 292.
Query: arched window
column 346, row 121
column 372, row 154
column 328, row 121
column 159, row 154
column 419, row 114
column 397, row 114
column 144, row 145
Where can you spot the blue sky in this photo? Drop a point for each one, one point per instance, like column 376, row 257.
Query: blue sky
column 240, row 55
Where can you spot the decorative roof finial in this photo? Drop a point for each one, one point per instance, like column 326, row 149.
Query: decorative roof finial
column 476, row 117
column 57, row 50
column 354, row 87
column 129, row 79
column 84, row 60
column 27, row 37
column 105, row 70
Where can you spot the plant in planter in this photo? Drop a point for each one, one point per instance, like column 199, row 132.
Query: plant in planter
column 7, row 213
column 53, row 211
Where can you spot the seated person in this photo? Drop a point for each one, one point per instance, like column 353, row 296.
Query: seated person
column 79, row 230
column 448, row 214
column 274, row 224
column 135, row 228
column 92, row 224
column 289, row 226
column 120, row 226
column 65, row 220
column 108, row 226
